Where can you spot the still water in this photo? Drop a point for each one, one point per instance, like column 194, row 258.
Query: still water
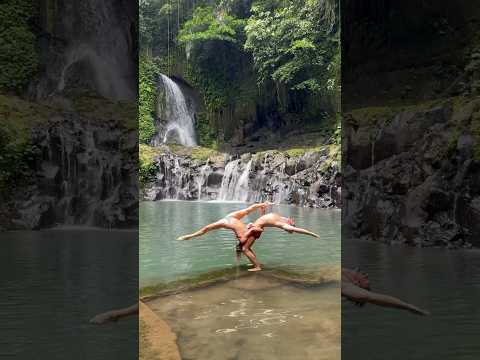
column 445, row 282
column 52, row 282
column 163, row 259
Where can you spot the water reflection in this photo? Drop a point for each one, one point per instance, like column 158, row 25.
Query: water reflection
column 445, row 282
column 52, row 282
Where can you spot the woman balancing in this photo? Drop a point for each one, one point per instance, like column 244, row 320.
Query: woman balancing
column 247, row 234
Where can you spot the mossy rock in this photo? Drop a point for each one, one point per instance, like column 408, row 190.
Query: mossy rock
column 185, row 284
column 146, row 156
column 19, row 119
column 298, row 152
column 198, row 153
column 90, row 105
column 378, row 115
column 289, row 276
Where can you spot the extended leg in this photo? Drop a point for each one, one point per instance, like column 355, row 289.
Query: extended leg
column 216, row 225
column 244, row 212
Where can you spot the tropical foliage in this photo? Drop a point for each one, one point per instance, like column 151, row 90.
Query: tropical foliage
column 207, row 24
column 293, row 43
column 237, row 52
column 147, row 91
column 17, row 42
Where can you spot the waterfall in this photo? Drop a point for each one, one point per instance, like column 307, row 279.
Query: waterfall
column 235, row 182
column 180, row 119
column 205, row 171
column 260, row 178
column 96, row 51
column 105, row 77
column 175, row 180
column 81, row 176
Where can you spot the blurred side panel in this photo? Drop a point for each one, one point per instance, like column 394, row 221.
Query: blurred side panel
column 411, row 166
column 68, row 178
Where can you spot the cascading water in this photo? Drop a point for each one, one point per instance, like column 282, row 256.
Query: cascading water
column 82, row 177
column 96, row 51
column 174, row 180
column 205, row 171
column 275, row 178
column 235, row 183
column 180, row 119
column 96, row 189
column 106, row 79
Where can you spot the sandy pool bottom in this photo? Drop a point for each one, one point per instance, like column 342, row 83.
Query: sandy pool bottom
column 255, row 318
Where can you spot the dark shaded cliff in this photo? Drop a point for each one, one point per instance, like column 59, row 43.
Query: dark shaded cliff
column 405, row 51
column 410, row 128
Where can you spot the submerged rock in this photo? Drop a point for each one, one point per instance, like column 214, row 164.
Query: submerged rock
column 240, row 278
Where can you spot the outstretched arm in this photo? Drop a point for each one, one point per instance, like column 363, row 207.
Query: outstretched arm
column 216, row 225
column 291, row 229
column 360, row 295
column 244, row 212
column 114, row 315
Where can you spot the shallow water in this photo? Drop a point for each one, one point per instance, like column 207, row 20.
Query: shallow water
column 255, row 317
column 252, row 315
column 445, row 282
column 52, row 282
column 162, row 258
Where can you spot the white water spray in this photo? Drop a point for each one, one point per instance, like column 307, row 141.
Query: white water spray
column 180, row 118
column 202, row 179
column 235, row 181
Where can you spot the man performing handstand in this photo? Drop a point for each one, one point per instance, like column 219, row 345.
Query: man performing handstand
column 356, row 288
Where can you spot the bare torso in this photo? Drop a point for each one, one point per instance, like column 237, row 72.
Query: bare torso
column 266, row 220
column 237, row 226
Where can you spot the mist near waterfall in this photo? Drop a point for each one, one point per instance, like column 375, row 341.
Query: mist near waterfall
column 178, row 115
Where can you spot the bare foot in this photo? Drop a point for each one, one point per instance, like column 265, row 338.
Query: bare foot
column 184, row 237
column 250, row 265
column 256, row 268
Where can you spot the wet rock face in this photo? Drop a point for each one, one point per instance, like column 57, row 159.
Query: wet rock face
column 306, row 180
column 418, row 188
column 87, row 44
column 86, row 174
